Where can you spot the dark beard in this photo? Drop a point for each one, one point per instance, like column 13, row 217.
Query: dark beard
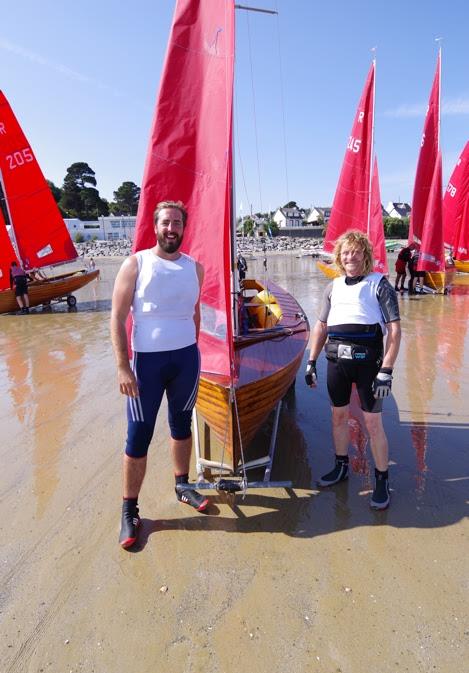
column 169, row 246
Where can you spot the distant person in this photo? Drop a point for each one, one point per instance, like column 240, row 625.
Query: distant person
column 401, row 264
column 358, row 310
column 91, row 264
column 242, row 266
column 19, row 279
column 161, row 287
column 416, row 277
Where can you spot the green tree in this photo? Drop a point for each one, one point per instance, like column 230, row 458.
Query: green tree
column 126, row 199
column 80, row 198
column 56, row 191
column 249, row 226
column 395, row 227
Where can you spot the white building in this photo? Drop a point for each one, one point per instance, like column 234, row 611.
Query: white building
column 110, row 228
column 319, row 213
column 399, row 210
column 289, row 217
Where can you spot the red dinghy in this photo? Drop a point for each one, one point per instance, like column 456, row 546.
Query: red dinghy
column 40, row 235
column 245, row 370
column 456, row 213
column 357, row 203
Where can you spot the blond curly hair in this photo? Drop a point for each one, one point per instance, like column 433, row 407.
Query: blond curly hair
column 354, row 239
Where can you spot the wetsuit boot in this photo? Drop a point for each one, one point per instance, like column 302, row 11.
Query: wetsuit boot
column 339, row 473
column 381, row 496
column 189, row 496
column 129, row 524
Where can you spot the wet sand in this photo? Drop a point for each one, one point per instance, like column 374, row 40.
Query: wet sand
column 299, row 580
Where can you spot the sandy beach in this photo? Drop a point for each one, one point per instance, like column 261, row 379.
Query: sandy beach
column 283, row 580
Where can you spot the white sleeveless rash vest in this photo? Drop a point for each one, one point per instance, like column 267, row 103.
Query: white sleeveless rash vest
column 357, row 303
column 166, row 293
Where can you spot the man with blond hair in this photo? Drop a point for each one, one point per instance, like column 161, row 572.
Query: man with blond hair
column 359, row 309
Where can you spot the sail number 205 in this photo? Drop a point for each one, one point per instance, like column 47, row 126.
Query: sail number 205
column 19, row 158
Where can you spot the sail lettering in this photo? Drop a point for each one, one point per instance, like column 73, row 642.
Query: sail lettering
column 354, row 144
column 423, row 140
column 2, row 128
column 451, row 189
column 19, row 158
column 361, row 116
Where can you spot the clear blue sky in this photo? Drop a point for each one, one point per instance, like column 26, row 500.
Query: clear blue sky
column 82, row 79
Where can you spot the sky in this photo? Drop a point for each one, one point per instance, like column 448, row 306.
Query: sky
column 82, row 79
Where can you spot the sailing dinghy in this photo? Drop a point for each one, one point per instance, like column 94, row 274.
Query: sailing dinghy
column 426, row 218
column 253, row 334
column 357, row 200
column 456, row 213
column 40, row 236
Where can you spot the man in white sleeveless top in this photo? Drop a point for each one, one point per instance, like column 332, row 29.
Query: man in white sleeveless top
column 359, row 309
column 161, row 288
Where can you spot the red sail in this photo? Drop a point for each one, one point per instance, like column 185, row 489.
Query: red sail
column 7, row 255
column 40, row 232
column 427, row 160
column 351, row 200
column 376, row 230
column 431, row 248
column 189, row 158
column 456, row 208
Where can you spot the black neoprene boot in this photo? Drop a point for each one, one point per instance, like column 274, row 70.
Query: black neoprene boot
column 381, row 496
column 339, row 473
column 129, row 524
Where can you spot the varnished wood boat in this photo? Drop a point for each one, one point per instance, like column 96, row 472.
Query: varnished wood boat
column 266, row 363
column 40, row 237
column 53, row 289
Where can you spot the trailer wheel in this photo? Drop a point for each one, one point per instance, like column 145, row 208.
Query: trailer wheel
column 71, row 300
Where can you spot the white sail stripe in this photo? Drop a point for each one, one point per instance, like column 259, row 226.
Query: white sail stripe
column 191, row 401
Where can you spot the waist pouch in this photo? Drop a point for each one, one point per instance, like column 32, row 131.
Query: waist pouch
column 341, row 351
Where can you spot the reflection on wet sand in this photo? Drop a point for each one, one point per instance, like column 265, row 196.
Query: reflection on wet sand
column 434, row 355
column 44, row 378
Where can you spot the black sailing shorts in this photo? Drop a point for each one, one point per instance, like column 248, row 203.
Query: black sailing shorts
column 342, row 373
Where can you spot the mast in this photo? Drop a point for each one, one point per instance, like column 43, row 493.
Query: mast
column 371, row 144
column 235, row 287
column 438, row 39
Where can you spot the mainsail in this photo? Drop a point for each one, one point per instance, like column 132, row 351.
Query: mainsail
column 427, row 160
column 41, row 236
column 350, row 209
column 456, row 208
column 431, row 249
column 190, row 158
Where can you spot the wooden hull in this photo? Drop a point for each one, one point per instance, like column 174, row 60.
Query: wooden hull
column 265, row 370
column 43, row 292
column 440, row 281
column 461, row 266
column 329, row 270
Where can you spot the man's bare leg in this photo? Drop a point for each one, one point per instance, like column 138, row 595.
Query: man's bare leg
column 133, row 474
column 341, row 437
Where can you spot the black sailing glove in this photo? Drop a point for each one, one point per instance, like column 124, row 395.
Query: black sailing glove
column 311, row 375
column 382, row 383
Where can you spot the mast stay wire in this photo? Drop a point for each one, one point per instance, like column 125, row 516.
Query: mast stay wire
column 282, row 105
column 254, row 110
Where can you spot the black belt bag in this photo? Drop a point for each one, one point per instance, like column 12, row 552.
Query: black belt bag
column 338, row 351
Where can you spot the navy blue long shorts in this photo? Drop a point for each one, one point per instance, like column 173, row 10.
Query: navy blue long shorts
column 174, row 372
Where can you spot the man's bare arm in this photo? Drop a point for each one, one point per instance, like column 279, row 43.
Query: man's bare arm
column 122, row 297
column 393, row 341
column 200, row 276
